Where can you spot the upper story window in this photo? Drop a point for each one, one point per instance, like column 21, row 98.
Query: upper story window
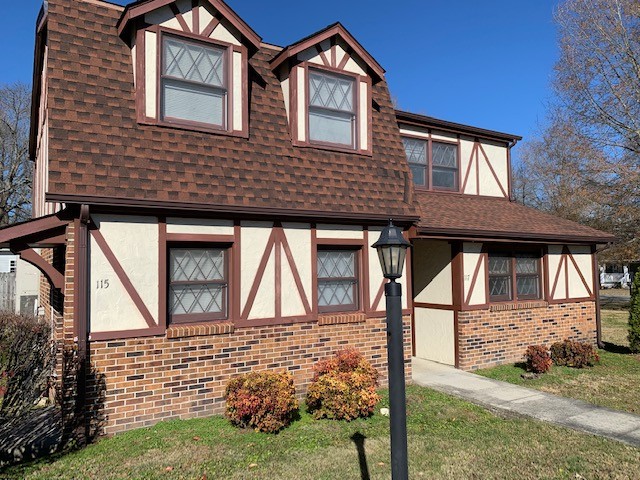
column 514, row 277
column 332, row 113
column 434, row 164
column 193, row 82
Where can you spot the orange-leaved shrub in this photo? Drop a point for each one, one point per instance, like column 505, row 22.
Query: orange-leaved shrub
column 574, row 354
column 538, row 359
column 343, row 387
column 264, row 401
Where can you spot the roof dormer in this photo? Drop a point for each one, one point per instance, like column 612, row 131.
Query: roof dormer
column 190, row 62
column 326, row 81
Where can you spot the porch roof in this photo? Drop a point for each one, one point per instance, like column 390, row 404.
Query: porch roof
column 492, row 218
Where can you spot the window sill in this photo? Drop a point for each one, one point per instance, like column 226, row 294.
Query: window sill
column 332, row 148
column 194, row 128
column 525, row 305
column 341, row 318
column 199, row 329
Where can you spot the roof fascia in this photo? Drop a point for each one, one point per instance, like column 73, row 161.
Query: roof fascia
column 417, row 120
column 38, row 227
column 134, row 11
column 478, row 235
column 318, row 37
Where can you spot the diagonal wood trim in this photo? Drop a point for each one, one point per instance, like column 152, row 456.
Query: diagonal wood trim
column 29, row 255
column 466, row 175
column 486, row 158
column 376, row 301
column 323, row 56
column 345, row 59
column 474, row 279
column 295, row 273
column 584, row 282
column 555, row 281
column 208, row 30
column 179, row 17
column 259, row 274
column 123, row 277
column 565, row 253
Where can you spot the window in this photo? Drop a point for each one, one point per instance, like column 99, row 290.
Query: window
column 193, row 82
column 198, row 284
column 332, row 116
column 514, row 273
column 337, row 280
column 436, row 166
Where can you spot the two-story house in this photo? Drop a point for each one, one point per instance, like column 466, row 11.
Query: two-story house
column 205, row 202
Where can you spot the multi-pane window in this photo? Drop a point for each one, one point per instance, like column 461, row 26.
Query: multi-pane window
column 198, row 284
column 193, row 82
column 332, row 114
column 514, row 273
column 438, row 163
column 337, row 280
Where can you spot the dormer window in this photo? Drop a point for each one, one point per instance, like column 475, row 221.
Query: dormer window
column 434, row 164
column 332, row 112
column 193, row 82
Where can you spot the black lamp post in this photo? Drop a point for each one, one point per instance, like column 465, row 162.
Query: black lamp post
column 392, row 248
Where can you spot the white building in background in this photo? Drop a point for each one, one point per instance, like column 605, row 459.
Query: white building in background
column 19, row 283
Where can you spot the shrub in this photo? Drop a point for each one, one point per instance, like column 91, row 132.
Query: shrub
column 634, row 315
column 27, row 359
column 538, row 359
column 574, row 354
column 343, row 387
column 264, row 401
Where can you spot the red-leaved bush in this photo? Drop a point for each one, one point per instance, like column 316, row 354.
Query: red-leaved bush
column 264, row 401
column 574, row 354
column 538, row 359
column 343, row 387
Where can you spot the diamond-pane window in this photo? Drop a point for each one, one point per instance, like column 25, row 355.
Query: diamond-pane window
column 331, row 108
column 197, row 284
column 514, row 277
column 416, row 152
column 193, row 82
column 444, row 165
column 337, row 280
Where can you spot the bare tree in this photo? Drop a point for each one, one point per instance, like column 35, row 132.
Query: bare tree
column 16, row 171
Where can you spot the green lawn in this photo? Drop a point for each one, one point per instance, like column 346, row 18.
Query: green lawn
column 613, row 383
column 448, row 438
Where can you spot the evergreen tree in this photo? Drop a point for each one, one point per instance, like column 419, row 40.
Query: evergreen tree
column 634, row 315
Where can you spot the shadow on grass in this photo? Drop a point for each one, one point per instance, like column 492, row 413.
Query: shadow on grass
column 359, row 439
column 613, row 348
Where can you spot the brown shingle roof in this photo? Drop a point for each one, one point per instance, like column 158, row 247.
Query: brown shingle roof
column 96, row 147
column 486, row 217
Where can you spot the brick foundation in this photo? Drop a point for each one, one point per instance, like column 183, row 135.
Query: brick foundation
column 496, row 336
column 156, row 378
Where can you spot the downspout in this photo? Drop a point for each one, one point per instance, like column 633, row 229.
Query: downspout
column 596, row 291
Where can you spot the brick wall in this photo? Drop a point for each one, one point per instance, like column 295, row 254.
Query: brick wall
column 151, row 379
column 493, row 337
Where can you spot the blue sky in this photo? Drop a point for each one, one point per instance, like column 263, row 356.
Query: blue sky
column 484, row 63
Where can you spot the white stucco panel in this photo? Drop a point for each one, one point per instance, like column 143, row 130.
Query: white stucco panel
column 222, row 33
column 237, row 91
column 583, row 259
column 435, row 335
column 264, row 305
column 205, row 15
column 298, row 237
column 468, row 158
column 310, row 55
column 291, row 303
column 339, row 231
column 376, row 278
column 164, row 17
column 432, row 277
column 414, row 132
column 497, row 158
column 254, row 237
column 553, row 261
column 363, row 114
column 199, row 226
column 285, row 93
column 301, row 113
column 150, row 79
column 471, row 256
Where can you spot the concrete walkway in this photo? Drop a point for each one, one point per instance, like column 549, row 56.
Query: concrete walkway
column 494, row 394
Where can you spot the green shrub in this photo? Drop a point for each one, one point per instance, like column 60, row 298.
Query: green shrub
column 634, row 315
column 343, row 387
column 537, row 359
column 264, row 401
column 27, row 360
column 574, row 354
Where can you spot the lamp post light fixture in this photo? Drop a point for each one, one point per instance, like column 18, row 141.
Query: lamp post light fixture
column 392, row 249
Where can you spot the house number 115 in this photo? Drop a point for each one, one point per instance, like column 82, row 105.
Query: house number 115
column 101, row 284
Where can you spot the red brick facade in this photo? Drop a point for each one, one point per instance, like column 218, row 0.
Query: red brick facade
column 492, row 337
column 158, row 378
